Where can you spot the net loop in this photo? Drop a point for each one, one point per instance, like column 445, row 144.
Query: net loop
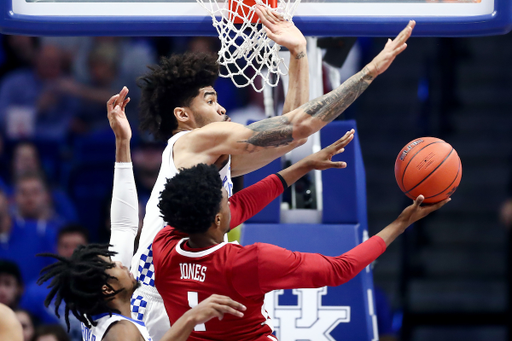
column 246, row 52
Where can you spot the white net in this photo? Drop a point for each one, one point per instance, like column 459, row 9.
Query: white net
column 246, row 52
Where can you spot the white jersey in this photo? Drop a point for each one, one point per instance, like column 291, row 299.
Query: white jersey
column 96, row 333
column 142, row 262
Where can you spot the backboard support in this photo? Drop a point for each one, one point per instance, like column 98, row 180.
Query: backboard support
column 319, row 18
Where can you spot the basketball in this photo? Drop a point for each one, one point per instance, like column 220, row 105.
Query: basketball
column 428, row 166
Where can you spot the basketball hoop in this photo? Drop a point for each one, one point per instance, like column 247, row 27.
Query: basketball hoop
column 246, row 52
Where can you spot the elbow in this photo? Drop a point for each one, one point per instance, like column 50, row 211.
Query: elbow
column 299, row 142
column 302, row 131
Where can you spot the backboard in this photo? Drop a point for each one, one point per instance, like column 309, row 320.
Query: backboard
column 314, row 18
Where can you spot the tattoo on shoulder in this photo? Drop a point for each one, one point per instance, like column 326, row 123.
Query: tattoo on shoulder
column 300, row 55
column 331, row 105
column 272, row 132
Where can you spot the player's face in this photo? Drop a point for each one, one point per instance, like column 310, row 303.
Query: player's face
column 205, row 108
column 124, row 278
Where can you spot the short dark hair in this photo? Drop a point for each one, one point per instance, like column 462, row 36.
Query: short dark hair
column 11, row 268
column 51, row 329
column 78, row 281
column 73, row 228
column 192, row 198
column 173, row 83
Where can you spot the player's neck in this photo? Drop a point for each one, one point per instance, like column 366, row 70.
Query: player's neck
column 122, row 305
column 203, row 240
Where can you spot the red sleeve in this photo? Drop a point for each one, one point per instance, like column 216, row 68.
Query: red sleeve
column 251, row 200
column 260, row 268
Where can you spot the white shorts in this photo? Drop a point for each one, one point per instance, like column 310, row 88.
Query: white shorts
column 147, row 306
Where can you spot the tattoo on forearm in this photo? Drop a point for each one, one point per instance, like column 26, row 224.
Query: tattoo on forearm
column 331, row 105
column 300, row 55
column 272, row 132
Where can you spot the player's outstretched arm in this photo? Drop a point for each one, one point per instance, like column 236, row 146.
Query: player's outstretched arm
column 274, row 268
column 124, row 210
column 317, row 113
column 409, row 215
column 213, row 306
column 273, row 137
column 286, row 34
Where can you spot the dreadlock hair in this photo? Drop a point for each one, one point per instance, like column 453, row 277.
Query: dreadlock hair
column 78, row 281
column 192, row 198
column 173, row 83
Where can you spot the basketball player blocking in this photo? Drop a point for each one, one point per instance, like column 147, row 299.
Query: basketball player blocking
column 179, row 103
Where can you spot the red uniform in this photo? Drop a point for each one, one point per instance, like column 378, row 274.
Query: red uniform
column 185, row 276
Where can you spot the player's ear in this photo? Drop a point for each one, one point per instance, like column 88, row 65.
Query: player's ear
column 181, row 114
column 106, row 290
column 218, row 218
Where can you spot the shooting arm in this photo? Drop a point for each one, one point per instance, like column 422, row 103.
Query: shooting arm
column 261, row 268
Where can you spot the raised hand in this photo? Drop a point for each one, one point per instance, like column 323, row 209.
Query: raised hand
column 392, row 49
column 322, row 159
column 216, row 306
column 281, row 31
column 116, row 115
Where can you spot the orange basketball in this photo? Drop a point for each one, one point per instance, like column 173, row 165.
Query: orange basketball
column 428, row 166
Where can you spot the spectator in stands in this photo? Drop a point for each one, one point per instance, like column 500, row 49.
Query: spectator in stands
column 32, row 104
column 11, row 284
column 33, row 203
column 26, row 160
column 132, row 57
column 51, row 332
column 68, row 239
column 95, row 92
column 27, row 323
column 147, row 158
column 20, row 244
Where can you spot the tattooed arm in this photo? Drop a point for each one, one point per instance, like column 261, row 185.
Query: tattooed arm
column 269, row 139
column 286, row 34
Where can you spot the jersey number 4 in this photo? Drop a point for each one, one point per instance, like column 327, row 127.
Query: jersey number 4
column 192, row 302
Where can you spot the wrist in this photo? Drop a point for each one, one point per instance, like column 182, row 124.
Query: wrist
column 370, row 70
column 123, row 140
column 190, row 319
column 299, row 51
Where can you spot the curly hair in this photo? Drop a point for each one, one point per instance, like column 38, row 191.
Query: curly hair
column 192, row 198
column 78, row 281
column 173, row 83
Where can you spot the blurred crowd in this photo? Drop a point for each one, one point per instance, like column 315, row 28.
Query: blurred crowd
column 57, row 153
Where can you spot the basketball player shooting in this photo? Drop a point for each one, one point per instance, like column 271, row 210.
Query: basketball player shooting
column 179, row 104
column 192, row 260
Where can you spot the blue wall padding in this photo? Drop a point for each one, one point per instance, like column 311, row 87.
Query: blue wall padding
column 344, row 190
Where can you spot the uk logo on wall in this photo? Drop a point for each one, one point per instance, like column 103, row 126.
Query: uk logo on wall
column 307, row 314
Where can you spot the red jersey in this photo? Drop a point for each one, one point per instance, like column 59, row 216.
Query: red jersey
column 184, row 276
